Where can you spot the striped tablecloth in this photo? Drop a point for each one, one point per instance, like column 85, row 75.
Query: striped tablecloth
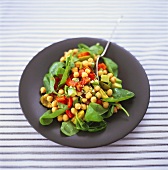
column 26, row 27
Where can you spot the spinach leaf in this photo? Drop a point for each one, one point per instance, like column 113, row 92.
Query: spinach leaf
column 94, row 127
column 112, row 67
column 120, row 95
column 83, row 46
column 48, row 116
column 66, row 72
column 68, row 128
column 81, row 125
column 96, row 49
column 109, row 113
column 121, row 107
column 49, row 82
column 57, row 68
column 94, row 112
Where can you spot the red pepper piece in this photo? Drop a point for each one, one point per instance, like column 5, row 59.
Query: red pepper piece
column 85, row 80
column 70, row 102
column 92, row 76
column 61, row 99
column 69, row 114
column 101, row 66
column 99, row 101
column 70, row 82
column 82, row 54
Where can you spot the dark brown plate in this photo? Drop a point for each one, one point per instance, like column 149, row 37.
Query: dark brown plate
column 130, row 71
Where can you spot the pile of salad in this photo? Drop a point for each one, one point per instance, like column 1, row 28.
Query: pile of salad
column 76, row 97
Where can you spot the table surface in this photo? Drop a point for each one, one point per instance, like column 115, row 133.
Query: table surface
column 26, row 27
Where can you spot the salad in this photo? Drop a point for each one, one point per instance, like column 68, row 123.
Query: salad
column 78, row 99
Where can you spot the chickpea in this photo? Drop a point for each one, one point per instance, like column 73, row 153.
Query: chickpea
column 110, row 75
column 88, row 95
column 75, row 50
column 77, row 106
column 85, row 63
column 49, row 98
column 84, row 100
column 95, row 58
column 109, row 92
column 78, row 64
column 100, row 72
column 54, row 109
column 75, row 69
column 73, row 110
column 65, row 117
column 61, row 91
column 105, row 72
column 62, row 59
column 105, row 105
column 84, row 74
column 46, row 95
column 90, row 60
column 43, row 90
column 83, row 106
column 60, row 118
column 79, row 93
column 54, row 103
column 86, row 88
column 76, row 74
column 113, row 79
column 115, row 109
column 74, row 98
column 93, row 99
column 87, row 70
column 97, row 88
column 98, row 95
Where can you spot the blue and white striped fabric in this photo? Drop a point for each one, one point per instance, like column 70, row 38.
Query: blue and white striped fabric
column 26, row 27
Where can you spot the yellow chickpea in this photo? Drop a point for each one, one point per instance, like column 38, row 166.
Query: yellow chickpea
column 109, row 92
column 84, row 100
column 60, row 118
column 62, row 59
column 115, row 109
column 105, row 105
column 77, row 106
column 76, row 74
column 73, row 110
column 85, row 63
column 110, row 75
column 54, row 109
column 87, row 71
column 105, row 72
column 86, row 88
column 84, row 74
column 61, row 91
column 54, row 103
column 90, row 60
column 100, row 72
column 75, row 69
column 88, row 95
column 95, row 58
column 65, row 117
column 49, row 98
column 79, row 93
column 74, row 98
column 97, row 88
column 113, row 79
column 83, row 106
column 78, row 64
column 98, row 95
column 93, row 99
column 43, row 90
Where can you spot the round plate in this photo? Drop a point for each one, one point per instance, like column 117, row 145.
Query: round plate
column 119, row 125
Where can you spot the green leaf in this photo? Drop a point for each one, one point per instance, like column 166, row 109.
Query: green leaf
column 81, row 125
column 94, row 127
column 57, row 68
column 109, row 113
column 94, row 112
column 83, row 46
column 96, row 49
column 121, row 107
column 49, row 82
column 68, row 128
column 112, row 67
column 120, row 95
column 47, row 117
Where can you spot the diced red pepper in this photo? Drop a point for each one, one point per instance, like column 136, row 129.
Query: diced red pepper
column 69, row 114
column 70, row 82
column 61, row 99
column 101, row 66
column 70, row 102
column 57, row 80
column 79, row 86
column 92, row 76
column 85, row 80
column 82, row 54
column 99, row 101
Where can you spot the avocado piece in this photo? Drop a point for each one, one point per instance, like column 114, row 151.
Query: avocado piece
column 84, row 58
column 118, row 80
column 71, row 91
column 104, row 85
column 95, row 82
column 117, row 85
column 105, row 78
column 103, row 94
